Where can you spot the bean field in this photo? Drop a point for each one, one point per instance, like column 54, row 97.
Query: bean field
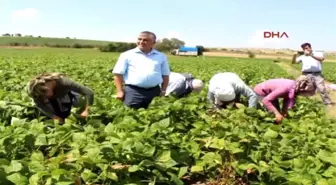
column 174, row 141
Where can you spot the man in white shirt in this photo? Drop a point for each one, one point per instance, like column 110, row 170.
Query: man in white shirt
column 226, row 88
column 142, row 73
column 312, row 66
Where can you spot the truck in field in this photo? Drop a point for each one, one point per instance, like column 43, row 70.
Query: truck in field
column 187, row 51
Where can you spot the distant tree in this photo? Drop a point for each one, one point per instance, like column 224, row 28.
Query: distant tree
column 165, row 44
column 176, row 43
column 76, row 45
column 39, row 36
column 6, row 35
column 117, row 47
column 18, row 35
column 251, row 54
column 67, row 37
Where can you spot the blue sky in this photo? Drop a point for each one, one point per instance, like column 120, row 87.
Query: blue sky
column 211, row 23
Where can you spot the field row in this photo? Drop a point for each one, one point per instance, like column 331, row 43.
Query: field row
column 174, row 141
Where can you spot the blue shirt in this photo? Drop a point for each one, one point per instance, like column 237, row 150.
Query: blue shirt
column 140, row 69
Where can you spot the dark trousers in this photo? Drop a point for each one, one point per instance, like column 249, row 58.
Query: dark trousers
column 137, row 97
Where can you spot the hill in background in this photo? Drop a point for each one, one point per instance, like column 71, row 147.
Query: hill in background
column 47, row 41
column 29, row 40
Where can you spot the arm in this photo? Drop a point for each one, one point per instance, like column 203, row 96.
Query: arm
column 271, row 97
column 118, row 80
column 288, row 102
column 46, row 110
column 296, row 59
column 214, row 101
column 317, row 56
column 78, row 88
column 251, row 95
column 165, row 83
column 165, row 74
column 211, row 98
column 119, row 70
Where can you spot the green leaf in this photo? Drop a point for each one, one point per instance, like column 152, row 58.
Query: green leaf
column 57, row 173
column 37, row 156
column 322, row 182
column 133, row 168
column 65, row 183
column 270, row 134
column 330, row 172
column 164, row 157
column 15, row 166
column 18, row 179
column 182, row 171
column 112, row 176
column 88, row 175
column 41, row 140
column 196, row 168
column 217, row 143
column 326, row 156
column 34, row 180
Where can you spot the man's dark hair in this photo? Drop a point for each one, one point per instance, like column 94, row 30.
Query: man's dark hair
column 305, row 44
column 150, row 33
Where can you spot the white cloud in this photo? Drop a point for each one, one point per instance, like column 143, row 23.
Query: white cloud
column 173, row 34
column 257, row 40
column 25, row 15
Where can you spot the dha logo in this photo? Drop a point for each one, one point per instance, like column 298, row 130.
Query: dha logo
column 278, row 35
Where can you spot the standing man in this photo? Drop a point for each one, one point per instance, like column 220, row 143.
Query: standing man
column 142, row 70
column 182, row 84
column 312, row 66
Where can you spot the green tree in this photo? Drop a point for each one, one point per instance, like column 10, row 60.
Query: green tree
column 165, row 44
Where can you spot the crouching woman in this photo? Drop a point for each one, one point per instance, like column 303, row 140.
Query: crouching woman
column 271, row 90
column 54, row 95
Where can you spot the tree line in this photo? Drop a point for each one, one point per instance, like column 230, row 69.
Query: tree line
column 163, row 45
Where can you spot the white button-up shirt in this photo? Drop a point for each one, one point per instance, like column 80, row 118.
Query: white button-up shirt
column 310, row 64
column 142, row 70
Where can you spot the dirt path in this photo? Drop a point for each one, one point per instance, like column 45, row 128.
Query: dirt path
column 331, row 111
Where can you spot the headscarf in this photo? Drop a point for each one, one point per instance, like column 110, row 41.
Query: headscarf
column 36, row 87
column 197, row 85
column 225, row 93
column 305, row 83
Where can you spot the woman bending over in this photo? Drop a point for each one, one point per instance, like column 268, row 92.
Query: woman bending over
column 54, row 95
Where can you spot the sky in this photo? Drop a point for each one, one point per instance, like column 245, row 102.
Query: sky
column 211, row 23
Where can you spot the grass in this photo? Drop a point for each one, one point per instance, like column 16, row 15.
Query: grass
column 35, row 41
